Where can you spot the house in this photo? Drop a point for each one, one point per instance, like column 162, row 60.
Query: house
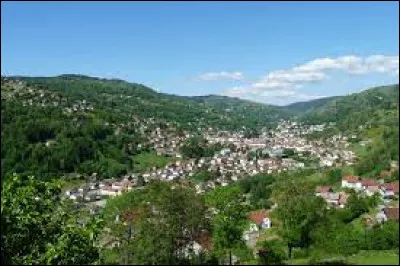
column 342, row 199
column 322, row 189
column 76, row 196
column 389, row 190
column 260, row 218
column 331, row 198
column 351, row 181
column 368, row 183
column 392, row 213
column 110, row 191
column 225, row 152
column 380, row 217
column 370, row 186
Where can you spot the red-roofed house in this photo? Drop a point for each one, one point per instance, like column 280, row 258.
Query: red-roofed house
column 260, row 218
column 389, row 190
column 369, row 182
column 351, row 181
column 370, row 186
column 392, row 213
column 323, row 189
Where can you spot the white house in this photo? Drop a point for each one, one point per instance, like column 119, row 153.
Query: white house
column 389, row 190
column 109, row 191
column 353, row 182
column 381, row 217
column 260, row 218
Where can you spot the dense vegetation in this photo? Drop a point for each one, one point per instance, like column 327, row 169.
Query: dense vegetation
column 81, row 144
column 127, row 98
column 44, row 140
column 198, row 147
column 157, row 224
column 38, row 227
column 356, row 105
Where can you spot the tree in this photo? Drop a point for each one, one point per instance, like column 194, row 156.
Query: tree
column 298, row 213
column 171, row 217
column 140, row 181
column 334, row 236
column 334, row 176
column 271, row 253
column 385, row 236
column 229, row 220
column 357, row 205
column 38, row 227
column 194, row 147
column 289, row 152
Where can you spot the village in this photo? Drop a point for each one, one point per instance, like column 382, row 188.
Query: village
column 230, row 164
column 234, row 162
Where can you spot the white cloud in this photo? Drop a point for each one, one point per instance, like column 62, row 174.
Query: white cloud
column 223, row 75
column 285, row 83
column 353, row 64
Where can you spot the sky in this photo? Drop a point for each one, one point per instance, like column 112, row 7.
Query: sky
column 270, row 52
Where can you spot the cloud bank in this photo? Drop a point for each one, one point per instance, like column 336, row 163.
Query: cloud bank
column 285, row 84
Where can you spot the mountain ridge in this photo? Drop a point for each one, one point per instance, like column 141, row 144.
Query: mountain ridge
column 296, row 106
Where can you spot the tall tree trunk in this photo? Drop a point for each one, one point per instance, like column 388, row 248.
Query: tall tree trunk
column 290, row 251
column 230, row 257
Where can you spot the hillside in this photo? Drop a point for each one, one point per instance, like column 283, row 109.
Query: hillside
column 79, row 124
column 357, row 107
column 306, row 107
column 75, row 123
column 132, row 98
column 371, row 116
column 118, row 96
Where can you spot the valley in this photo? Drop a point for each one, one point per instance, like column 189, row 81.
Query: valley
column 108, row 140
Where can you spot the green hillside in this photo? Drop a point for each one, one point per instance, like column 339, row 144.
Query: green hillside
column 357, row 107
column 132, row 98
column 80, row 124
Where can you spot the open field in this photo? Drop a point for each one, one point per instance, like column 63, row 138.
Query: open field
column 145, row 161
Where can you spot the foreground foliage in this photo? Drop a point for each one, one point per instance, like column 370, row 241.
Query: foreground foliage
column 40, row 228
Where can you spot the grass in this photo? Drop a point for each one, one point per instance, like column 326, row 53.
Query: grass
column 302, row 261
column 359, row 150
column 145, row 161
column 202, row 176
column 365, row 257
column 72, row 183
column 268, row 234
column 348, row 169
column 384, row 257
column 316, row 177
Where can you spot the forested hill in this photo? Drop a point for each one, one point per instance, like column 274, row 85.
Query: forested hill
column 51, row 126
column 360, row 106
column 309, row 106
column 124, row 99
column 132, row 98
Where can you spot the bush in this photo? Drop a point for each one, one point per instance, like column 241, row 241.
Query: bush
column 271, row 253
column 385, row 237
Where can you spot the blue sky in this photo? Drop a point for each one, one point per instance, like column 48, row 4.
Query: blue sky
column 272, row 52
